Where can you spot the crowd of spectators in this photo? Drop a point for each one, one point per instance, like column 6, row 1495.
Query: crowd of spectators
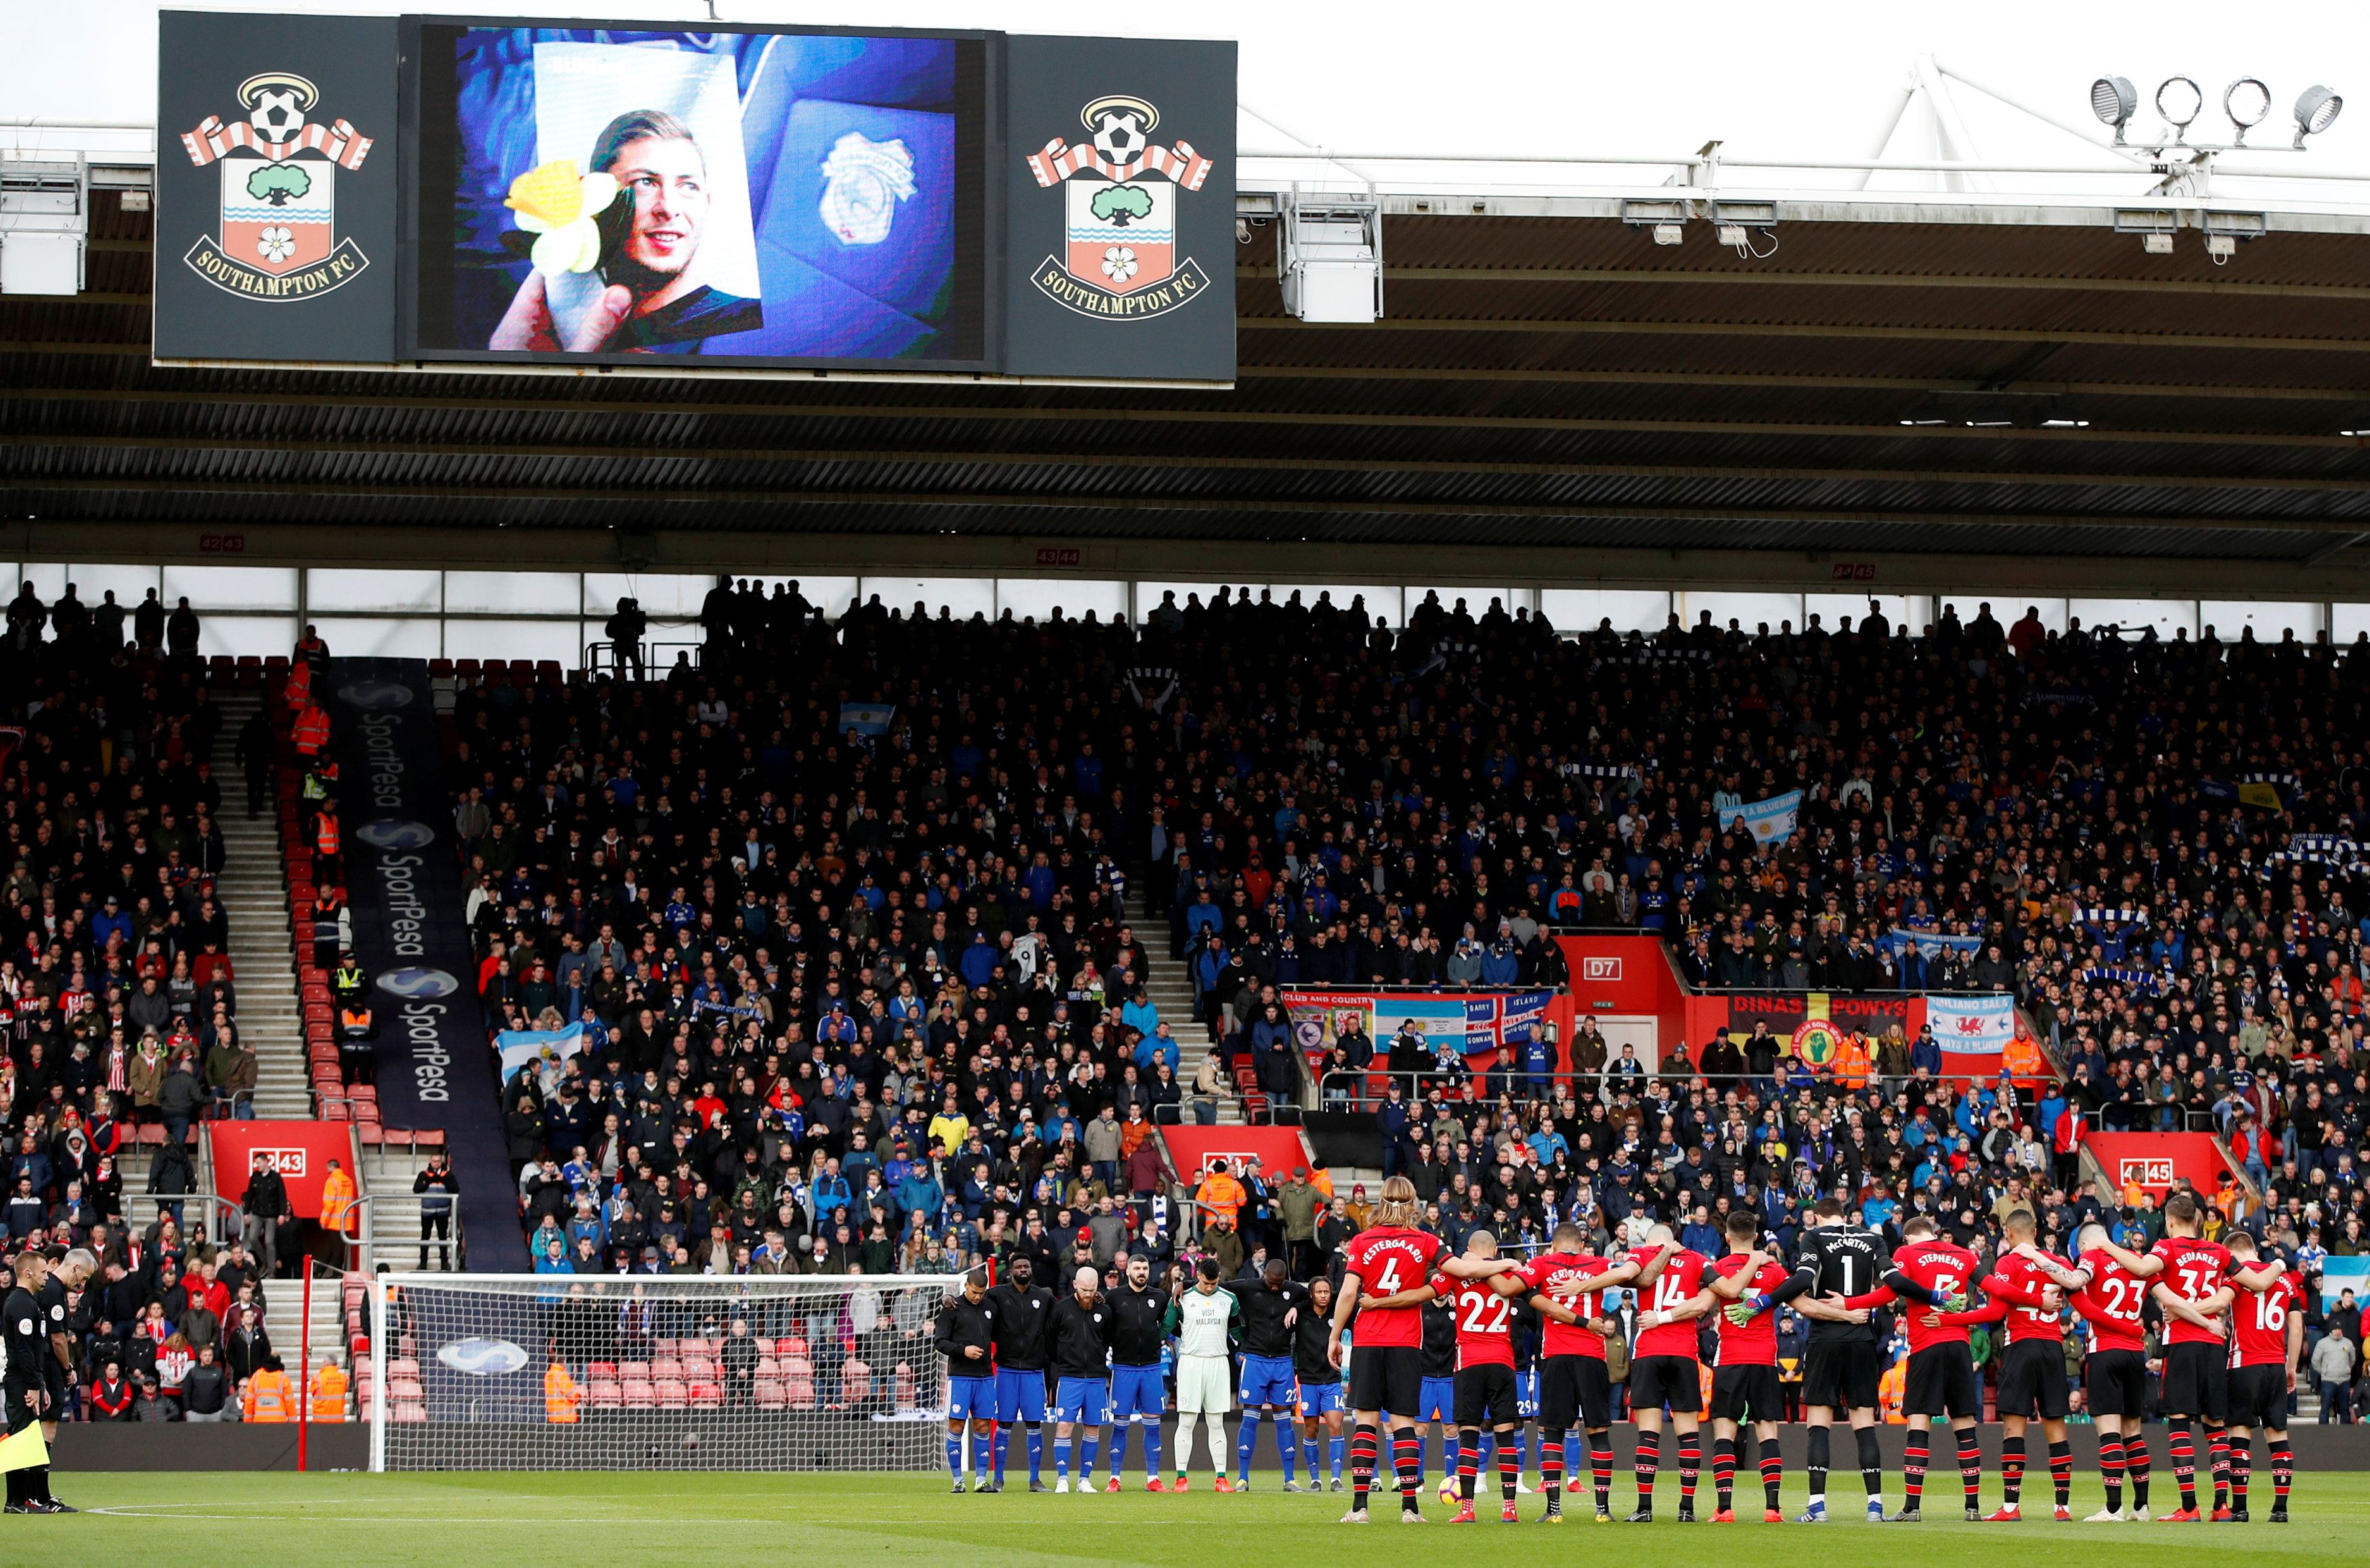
column 119, row 1002
column 859, row 913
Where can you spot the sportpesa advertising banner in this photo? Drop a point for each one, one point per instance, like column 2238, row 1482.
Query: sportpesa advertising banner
column 404, row 889
column 373, row 190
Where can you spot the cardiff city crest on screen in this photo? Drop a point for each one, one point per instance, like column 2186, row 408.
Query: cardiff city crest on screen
column 278, row 235
column 1120, row 190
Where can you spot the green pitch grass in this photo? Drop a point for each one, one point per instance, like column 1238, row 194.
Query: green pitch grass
column 655, row 1520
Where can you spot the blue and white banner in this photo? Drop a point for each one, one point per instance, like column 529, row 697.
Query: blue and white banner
column 1770, row 821
column 1983, row 1024
column 1928, row 944
column 546, row 1050
column 869, row 719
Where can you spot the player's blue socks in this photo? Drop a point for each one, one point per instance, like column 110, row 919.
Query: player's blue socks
column 954, row 1455
column 1284, row 1446
column 1036, row 1454
column 1335, row 1444
column 1087, row 1459
column 1449, row 1445
column 1308, row 1457
column 1119, row 1446
column 1062, row 1458
column 986, row 1449
column 1001, row 1441
column 1152, row 1450
column 1246, row 1443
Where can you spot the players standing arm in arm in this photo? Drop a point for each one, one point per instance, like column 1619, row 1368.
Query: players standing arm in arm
column 1561, row 1312
column 2206, row 1314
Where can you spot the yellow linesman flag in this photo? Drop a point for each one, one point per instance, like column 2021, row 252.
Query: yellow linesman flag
column 24, row 1450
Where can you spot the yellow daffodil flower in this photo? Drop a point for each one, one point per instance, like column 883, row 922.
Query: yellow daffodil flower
column 558, row 205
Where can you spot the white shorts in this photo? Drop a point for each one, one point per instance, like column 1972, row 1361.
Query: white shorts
column 1205, row 1384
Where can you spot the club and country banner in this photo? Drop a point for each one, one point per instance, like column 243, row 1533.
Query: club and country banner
column 404, row 887
column 1770, row 821
column 1982, row 1024
column 1788, row 1013
column 1477, row 1022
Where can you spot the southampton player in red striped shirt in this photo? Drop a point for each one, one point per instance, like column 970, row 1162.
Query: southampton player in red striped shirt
column 1387, row 1365
column 1745, row 1384
column 1483, row 1307
column 2267, row 1337
column 2115, row 1377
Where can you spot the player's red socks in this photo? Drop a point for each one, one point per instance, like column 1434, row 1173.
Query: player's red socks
column 1468, row 1460
column 2061, row 1472
column 1551, row 1467
column 2283, row 1470
column 1913, row 1466
column 1407, row 1457
column 1649, row 1461
column 1773, row 1470
column 1723, row 1472
column 1365, row 1448
column 2242, row 1468
column 2217, row 1441
column 2136, row 1464
column 2184, row 1461
column 2110, row 1468
column 2012, row 1471
column 1600, row 1467
column 1690, row 1468
column 1970, row 1463
column 1510, row 1469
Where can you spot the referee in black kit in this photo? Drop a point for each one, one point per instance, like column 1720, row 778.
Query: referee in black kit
column 25, row 1383
column 70, row 1273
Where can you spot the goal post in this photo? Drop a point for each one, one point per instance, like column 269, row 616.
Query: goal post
column 772, row 1372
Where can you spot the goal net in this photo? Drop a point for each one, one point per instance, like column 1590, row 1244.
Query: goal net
column 654, row 1372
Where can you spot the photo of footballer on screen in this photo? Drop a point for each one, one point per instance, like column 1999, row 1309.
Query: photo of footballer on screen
column 748, row 197
column 649, row 232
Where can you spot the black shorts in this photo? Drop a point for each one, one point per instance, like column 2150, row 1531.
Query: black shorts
column 2196, row 1380
column 1574, row 1392
column 1387, row 1378
column 1941, row 1380
column 2032, row 1380
column 1658, row 1380
column 1484, row 1396
column 21, row 1416
column 2258, row 1398
column 2117, row 1381
column 1746, row 1393
column 1841, row 1374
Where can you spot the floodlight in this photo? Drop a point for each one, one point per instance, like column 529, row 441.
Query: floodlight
column 1668, row 234
column 2179, row 99
column 2113, row 100
column 2316, row 112
column 2246, row 101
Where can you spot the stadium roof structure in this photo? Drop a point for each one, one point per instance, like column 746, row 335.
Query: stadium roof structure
column 1992, row 381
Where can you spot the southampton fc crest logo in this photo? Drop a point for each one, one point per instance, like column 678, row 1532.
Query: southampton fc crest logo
column 279, row 231
column 1119, row 192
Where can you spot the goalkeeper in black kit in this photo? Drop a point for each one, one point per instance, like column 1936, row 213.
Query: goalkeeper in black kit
column 1838, row 1258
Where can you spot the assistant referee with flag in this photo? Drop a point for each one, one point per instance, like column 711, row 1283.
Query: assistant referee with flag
column 25, row 1382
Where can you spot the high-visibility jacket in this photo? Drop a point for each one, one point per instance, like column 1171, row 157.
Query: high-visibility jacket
column 311, row 731
column 561, row 1396
column 1891, row 1393
column 267, row 1397
column 329, row 1393
column 1850, row 1064
column 299, row 688
column 338, row 1205
column 1221, row 1195
column 325, row 832
column 2021, row 1056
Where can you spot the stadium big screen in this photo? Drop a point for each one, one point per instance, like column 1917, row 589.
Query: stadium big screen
column 739, row 197
column 425, row 191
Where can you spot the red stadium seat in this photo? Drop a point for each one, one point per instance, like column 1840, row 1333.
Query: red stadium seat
column 771, row 1394
column 706, row 1396
column 602, row 1393
column 801, row 1392
column 666, row 1367
column 638, row 1395
column 673, row 1393
column 409, row 1412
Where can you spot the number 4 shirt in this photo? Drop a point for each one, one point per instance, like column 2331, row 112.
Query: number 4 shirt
column 1387, row 1260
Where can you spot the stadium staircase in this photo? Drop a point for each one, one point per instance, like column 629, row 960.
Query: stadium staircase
column 254, row 890
column 1172, row 991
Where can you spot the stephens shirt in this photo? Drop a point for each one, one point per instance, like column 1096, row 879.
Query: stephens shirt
column 1945, row 1270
